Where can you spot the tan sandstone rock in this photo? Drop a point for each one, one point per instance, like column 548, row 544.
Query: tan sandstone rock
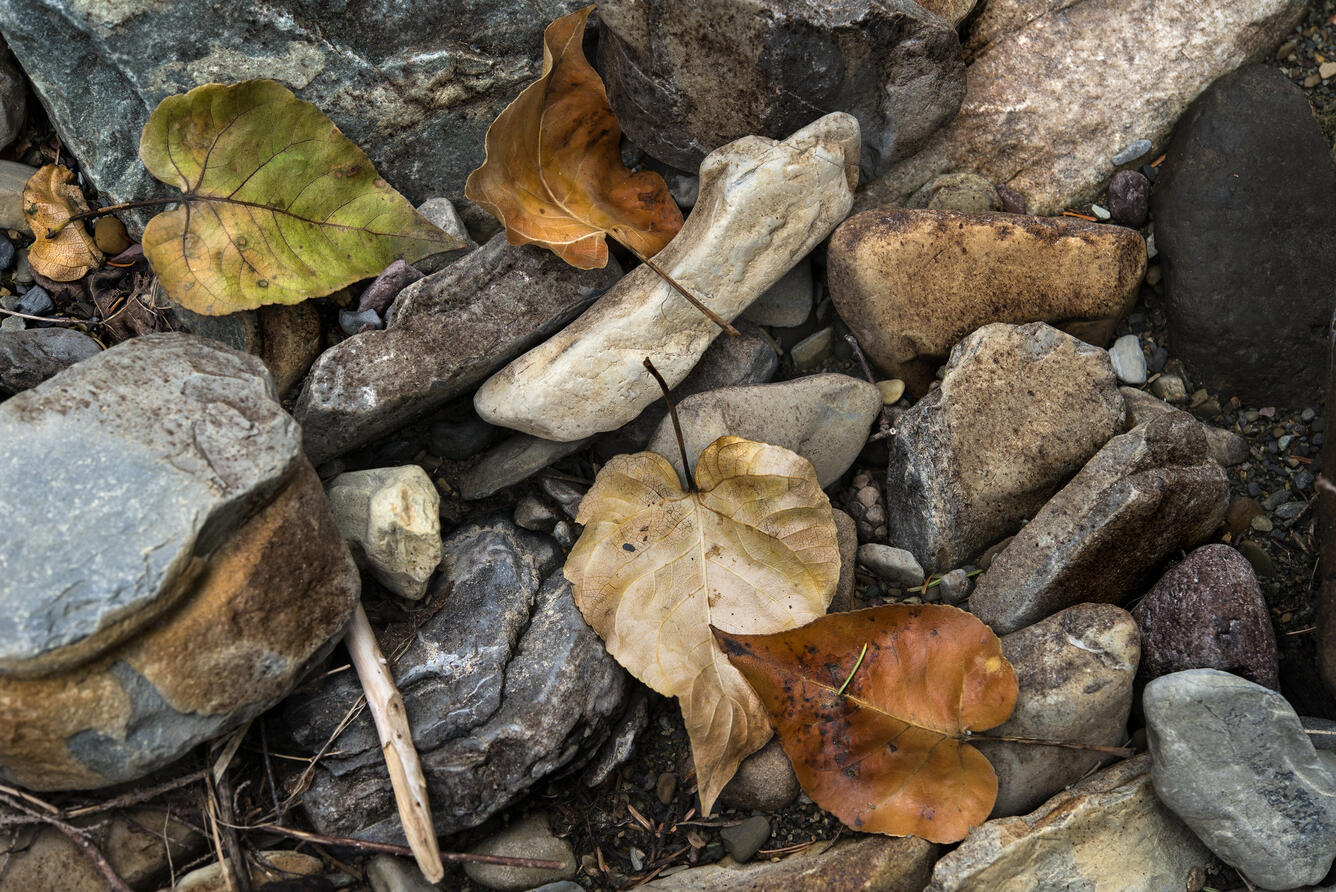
column 1056, row 89
column 764, row 204
column 391, row 518
column 911, row 283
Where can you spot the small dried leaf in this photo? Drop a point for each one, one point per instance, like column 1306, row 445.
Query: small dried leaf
column 753, row 550
column 279, row 205
column 50, row 198
column 554, row 174
column 886, row 752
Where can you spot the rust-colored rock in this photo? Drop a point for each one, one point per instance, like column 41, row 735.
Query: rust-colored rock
column 911, row 283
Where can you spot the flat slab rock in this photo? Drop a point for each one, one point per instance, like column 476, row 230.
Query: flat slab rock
column 1232, row 760
column 414, row 83
column 1019, row 410
column 504, row 684
column 912, row 283
column 1040, row 67
column 446, row 333
column 155, row 452
column 29, row 357
column 1145, row 495
column 1107, row 832
column 1247, row 245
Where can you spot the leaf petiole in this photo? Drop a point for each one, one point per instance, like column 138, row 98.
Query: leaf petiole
column 111, row 209
column 854, row 671
column 695, row 301
column 677, row 425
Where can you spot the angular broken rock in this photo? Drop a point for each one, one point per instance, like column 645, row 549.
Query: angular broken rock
column 911, row 283
column 391, row 518
column 1020, row 409
column 686, row 76
column 1145, row 495
column 764, row 204
column 446, row 333
column 504, row 683
column 1075, row 670
column 1107, row 832
column 192, row 576
column 1026, row 119
column 1226, row 447
column 29, row 357
column 823, row 418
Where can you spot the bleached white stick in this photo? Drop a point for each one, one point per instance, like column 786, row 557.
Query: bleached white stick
column 396, row 743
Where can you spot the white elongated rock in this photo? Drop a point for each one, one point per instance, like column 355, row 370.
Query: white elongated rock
column 763, row 205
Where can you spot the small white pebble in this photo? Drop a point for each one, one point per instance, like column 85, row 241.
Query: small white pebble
column 1100, row 211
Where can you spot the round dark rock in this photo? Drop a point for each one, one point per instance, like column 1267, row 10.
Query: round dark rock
column 458, row 440
column 6, row 253
column 1012, row 201
column 1129, row 198
column 36, row 302
column 1208, row 613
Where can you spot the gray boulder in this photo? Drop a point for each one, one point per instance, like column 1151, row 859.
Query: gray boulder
column 1145, row 495
column 685, row 76
column 446, row 333
column 415, row 84
column 1020, row 409
column 504, row 685
column 1232, row 760
column 823, row 418
column 1075, row 671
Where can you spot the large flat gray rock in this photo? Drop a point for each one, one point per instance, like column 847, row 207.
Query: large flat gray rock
column 414, row 83
column 446, row 333
column 1232, row 760
column 117, row 477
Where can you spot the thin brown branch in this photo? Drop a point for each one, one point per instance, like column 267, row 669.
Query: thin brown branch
column 77, row 836
column 1124, row 752
column 677, row 424
column 681, row 289
column 392, row 849
column 137, row 796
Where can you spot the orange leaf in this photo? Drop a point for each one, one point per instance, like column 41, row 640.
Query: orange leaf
column 879, row 737
column 50, row 198
column 554, row 175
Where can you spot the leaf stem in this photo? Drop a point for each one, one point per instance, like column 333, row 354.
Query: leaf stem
column 677, row 425
column 854, row 670
column 695, row 301
column 113, row 208
column 1125, row 752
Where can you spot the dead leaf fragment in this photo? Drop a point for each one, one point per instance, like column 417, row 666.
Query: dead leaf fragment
column 554, row 174
column 879, row 737
column 278, row 206
column 50, row 198
column 753, row 550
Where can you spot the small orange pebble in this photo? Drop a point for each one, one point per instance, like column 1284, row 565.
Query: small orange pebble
column 1080, row 216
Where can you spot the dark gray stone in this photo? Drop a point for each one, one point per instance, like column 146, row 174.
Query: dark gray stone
column 1129, row 199
column 13, row 101
column 512, row 461
column 685, row 76
column 386, row 287
column 1244, row 227
column 1232, row 760
column 1208, row 613
column 461, row 438
column 155, row 451
column 415, row 84
column 36, row 302
column 505, row 685
column 27, row 358
column 1145, row 495
column 445, row 334
column 743, row 840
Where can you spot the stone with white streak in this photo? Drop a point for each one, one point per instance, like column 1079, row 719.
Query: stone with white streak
column 392, row 522
column 764, row 204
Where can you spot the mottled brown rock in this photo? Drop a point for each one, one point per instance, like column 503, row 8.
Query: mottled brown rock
column 268, row 603
column 1145, row 495
column 1226, row 447
column 1107, row 832
column 1075, row 671
column 1056, row 89
column 1208, row 613
column 911, row 283
column 864, row 864
column 446, row 333
column 1020, row 409
column 954, row 11
column 686, row 76
column 846, row 535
